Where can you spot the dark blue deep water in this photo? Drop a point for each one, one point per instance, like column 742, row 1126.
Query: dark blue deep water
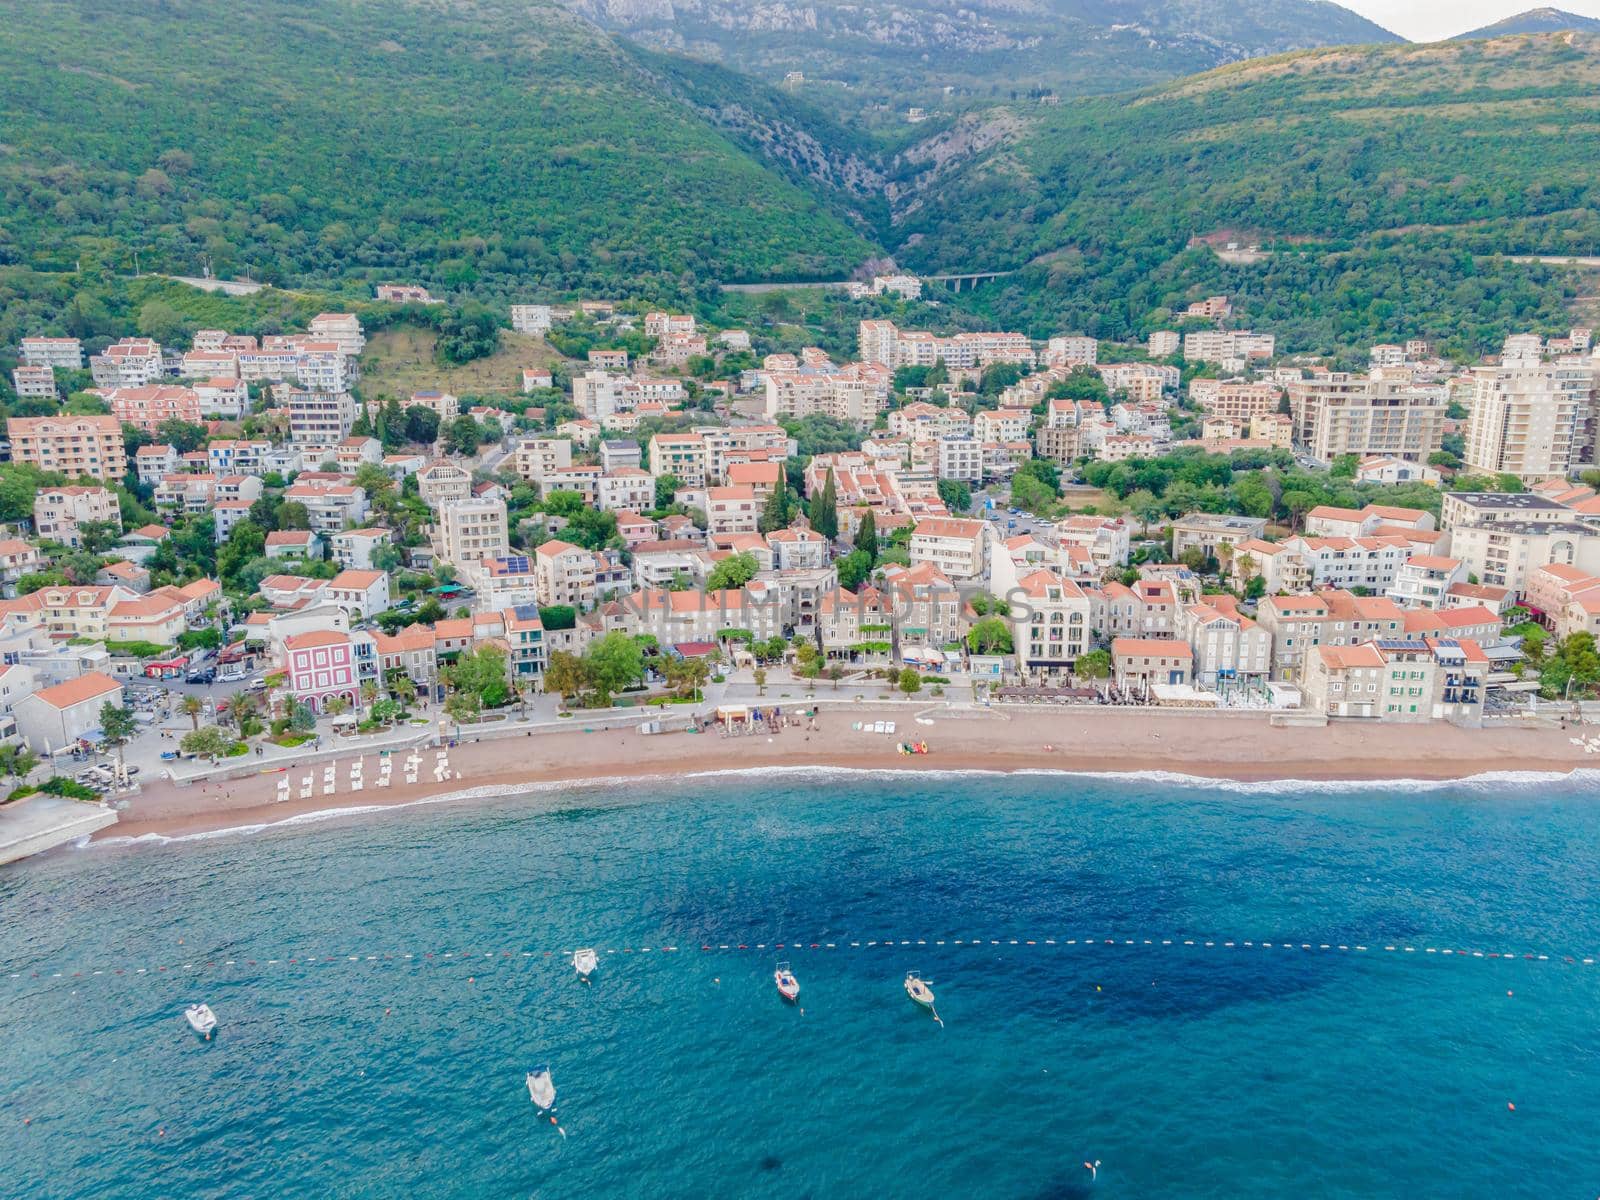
column 1187, row 1070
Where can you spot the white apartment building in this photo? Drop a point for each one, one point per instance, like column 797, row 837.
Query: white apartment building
column 535, row 458
column 471, row 530
column 960, row 458
column 531, row 318
column 342, row 328
column 1226, row 345
column 1530, row 420
column 34, row 383
column 132, row 362
column 63, row 353
column 958, row 548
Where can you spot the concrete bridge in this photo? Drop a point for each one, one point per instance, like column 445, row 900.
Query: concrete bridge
column 955, row 282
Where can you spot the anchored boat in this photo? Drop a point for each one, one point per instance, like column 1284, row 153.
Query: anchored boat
column 541, row 1088
column 788, row 986
column 584, row 963
column 201, row 1019
column 919, row 991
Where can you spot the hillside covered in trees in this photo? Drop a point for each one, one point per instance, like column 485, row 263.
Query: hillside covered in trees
column 479, row 145
column 1378, row 179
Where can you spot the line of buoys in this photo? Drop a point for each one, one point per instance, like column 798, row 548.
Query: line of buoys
column 483, row 958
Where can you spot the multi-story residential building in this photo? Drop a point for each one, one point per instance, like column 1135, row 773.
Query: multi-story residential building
column 442, row 482
column 320, row 420
column 1207, row 532
column 34, row 383
column 1530, row 420
column 471, row 530
column 731, row 510
column 353, row 548
column 132, row 362
column 1105, row 539
column 147, row 407
column 616, row 454
column 56, row 353
column 564, row 574
column 882, row 342
column 330, row 506
column 1051, row 623
column 152, row 464
column 320, row 666
column 1374, row 414
column 536, row 457
column 1299, row 623
column 531, row 318
column 59, row 511
column 343, row 328
column 73, row 446
column 361, row 594
column 1399, row 681
column 957, row 548
column 798, row 549
column 1072, row 352
column 1162, row 343
column 1227, row 345
column 626, row 489
column 1505, row 553
column 1425, row 580
column 231, row 456
column 1236, row 399
column 681, row 455
column 322, row 367
column 960, row 458
column 1227, row 647
column 922, row 421
column 1459, row 509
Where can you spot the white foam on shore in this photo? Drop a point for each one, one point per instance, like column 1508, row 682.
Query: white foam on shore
column 1488, row 780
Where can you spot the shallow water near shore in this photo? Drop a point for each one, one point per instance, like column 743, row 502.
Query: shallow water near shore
column 1190, row 1070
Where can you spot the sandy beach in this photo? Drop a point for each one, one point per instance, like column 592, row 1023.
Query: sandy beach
column 1089, row 739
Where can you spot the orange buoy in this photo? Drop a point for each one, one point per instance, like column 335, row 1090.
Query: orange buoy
column 1511, row 1107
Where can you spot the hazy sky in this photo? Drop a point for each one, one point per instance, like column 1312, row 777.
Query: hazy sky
column 1432, row 20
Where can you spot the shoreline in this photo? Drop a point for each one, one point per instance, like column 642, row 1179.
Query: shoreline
column 1094, row 742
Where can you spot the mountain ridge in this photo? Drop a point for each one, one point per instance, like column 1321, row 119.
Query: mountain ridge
column 1533, row 20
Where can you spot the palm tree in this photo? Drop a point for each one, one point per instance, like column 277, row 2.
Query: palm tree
column 369, row 694
column 192, row 708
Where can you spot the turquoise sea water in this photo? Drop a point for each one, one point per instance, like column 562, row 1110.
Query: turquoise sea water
column 1185, row 1070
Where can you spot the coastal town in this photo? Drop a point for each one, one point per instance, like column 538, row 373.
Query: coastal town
column 227, row 555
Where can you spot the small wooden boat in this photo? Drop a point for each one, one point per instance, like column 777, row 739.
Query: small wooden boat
column 201, row 1019
column 788, row 986
column 584, row 963
column 919, row 991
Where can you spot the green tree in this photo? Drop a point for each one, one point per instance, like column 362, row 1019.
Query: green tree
column 867, row 537
column 614, row 662
column 1096, row 664
column 910, row 682
column 779, row 509
column 853, row 568
column 117, row 727
column 957, row 496
column 991, row 635
column 733, row 572
column 209, row 742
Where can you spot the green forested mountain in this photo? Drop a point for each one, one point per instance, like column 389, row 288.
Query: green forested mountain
column 872, row 59
column 484, row 144
column 1372, row 176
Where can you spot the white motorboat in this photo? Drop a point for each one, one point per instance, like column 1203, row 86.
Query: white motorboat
column 541, row 1088
column 201, row 1019
column 584, row 963
column 788, row 986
